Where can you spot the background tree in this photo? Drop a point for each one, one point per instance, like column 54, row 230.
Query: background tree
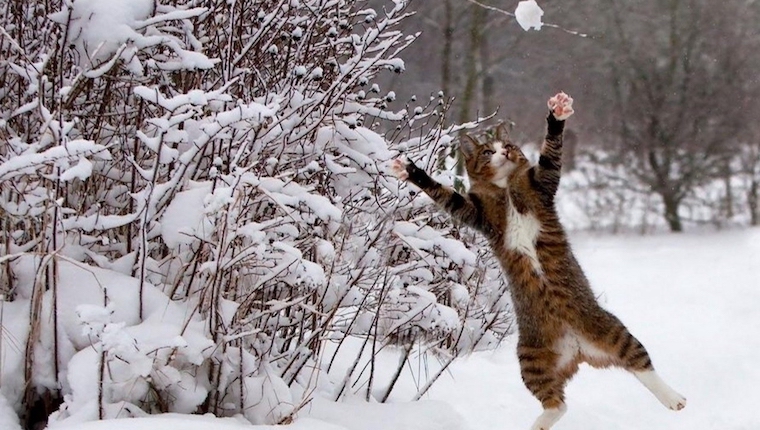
column 680, row 100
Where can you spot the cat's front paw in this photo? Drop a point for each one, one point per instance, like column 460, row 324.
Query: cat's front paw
column 561, row 106
column 514, row 154
column 398, row 168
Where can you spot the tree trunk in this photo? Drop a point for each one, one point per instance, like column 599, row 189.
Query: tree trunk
column 753, row 200
column 471, row 70
column 486, row 80
column 671, row 213
column 729, row 201
column 448, row 41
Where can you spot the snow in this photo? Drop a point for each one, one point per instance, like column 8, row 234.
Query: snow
column 528, row 14
column 188, row 422
column 8, row 419
column 359, row 415
column 264, row 236
column 82, row 170
column 184, row 218
column 690, row 298
column 268, row 399
column 429, row 239
column 99, row 27
column 58, row 155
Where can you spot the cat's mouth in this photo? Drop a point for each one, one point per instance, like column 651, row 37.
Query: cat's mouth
column 502, row 168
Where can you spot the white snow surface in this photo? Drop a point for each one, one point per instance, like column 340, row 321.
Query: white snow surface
column 190, row 422
column 528, row 14
column 690, row 298
column 8, row 419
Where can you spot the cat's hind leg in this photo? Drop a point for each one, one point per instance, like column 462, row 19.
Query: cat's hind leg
column 538, row 367
column 627, row 352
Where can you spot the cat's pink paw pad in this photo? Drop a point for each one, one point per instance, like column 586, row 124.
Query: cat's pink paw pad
column 398, row 168
column 561, row 106
column 513, row 153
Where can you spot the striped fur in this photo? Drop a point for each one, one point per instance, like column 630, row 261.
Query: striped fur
column 560, row 321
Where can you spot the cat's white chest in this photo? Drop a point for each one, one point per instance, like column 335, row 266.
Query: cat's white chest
column 522, row 234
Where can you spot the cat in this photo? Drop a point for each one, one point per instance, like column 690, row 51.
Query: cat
column 560, row 323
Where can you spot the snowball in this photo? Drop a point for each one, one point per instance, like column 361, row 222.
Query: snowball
column 528, row 14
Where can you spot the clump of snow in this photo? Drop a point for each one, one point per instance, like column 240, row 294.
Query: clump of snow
column 98, row 28
column 268, row 399
column 184, row 218
column 58, row 156
column 528, row 14
column 316, row 73
column 82, row 170
column 429, row 239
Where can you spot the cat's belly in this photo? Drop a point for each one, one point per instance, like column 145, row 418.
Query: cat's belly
column 573, row 347
column 521, row 235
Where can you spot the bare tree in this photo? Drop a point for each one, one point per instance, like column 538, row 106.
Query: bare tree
column 679, row 104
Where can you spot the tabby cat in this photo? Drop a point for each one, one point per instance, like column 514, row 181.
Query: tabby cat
column 560, row 323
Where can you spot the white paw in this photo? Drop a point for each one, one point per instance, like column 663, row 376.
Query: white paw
column 666, row 395
column 549, row 417
column 673, row 401
column 561, row 106
column 398, row 168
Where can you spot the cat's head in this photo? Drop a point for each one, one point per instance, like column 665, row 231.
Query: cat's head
column 492, row 161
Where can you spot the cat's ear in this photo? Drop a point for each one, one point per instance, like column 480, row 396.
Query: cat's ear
column 502, row 133
column 468, row 145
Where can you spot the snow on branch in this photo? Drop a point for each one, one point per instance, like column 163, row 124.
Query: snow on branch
column 196, row 203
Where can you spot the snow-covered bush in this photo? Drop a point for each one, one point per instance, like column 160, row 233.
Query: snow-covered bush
column 194, row 203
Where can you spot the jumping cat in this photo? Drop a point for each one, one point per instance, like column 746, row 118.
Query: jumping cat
column 560, row 323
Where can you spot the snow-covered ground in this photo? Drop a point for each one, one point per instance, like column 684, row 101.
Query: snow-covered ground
column 691, row 299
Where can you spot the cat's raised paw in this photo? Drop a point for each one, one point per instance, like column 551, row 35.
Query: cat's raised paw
column 561, row 106
column 398, row 168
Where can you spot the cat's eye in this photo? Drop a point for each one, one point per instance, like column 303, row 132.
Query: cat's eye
column 487, row 153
